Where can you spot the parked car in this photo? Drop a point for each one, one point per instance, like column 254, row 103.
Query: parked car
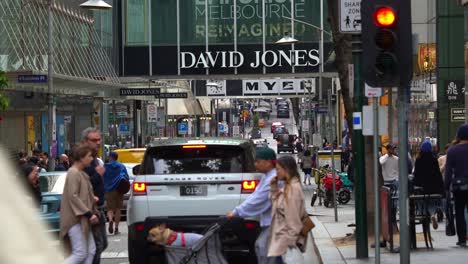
column 280, row 130
column 275, row 124
column 51, row 185
column 283, row 113
column 255, row 133
column 189, row 184
column 285, row 143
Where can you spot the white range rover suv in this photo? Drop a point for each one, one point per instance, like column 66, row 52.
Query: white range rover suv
column 189, row 184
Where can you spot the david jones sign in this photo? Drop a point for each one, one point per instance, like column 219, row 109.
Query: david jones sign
column 235, row 59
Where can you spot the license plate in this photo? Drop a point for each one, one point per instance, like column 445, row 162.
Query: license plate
column 193, row 190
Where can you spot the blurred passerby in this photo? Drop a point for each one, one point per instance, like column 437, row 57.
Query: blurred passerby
column 427, row 175
column 78, row 210
column 31, row 173
column 389, row 164
column 443, row 159
column 44, row 160
column 63, row 164
column 288, row 210
column 456, row 179
column 91, row 137
column 259, row 204
column 306, row 166
column 115, row 176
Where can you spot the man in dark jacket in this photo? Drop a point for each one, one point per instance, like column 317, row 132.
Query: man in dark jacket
column 63, row 164
column 92, row 137
column 456, row 179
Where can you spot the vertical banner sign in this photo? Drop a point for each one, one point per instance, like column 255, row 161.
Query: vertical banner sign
column 152, row 113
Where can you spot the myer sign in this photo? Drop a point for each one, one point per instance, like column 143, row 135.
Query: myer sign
column 269, row 87
column 235, row 59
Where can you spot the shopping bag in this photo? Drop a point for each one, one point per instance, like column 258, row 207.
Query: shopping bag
column 293, row 256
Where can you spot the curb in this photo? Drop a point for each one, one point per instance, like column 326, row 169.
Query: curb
column 328, row 253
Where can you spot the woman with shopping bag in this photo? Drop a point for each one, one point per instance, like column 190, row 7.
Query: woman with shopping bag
column 290, row 221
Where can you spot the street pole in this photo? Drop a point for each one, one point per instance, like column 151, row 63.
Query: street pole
column 51, row 100
column 332, row 127
column 362, row 250
column 321, row 68
column 403, row 174
column 376, row 180
column 390, row 114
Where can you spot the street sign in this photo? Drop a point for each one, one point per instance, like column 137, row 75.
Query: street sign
column 321, row 110
column 357, row 120
column 151, row 113
column 350, row 16
column 139, row 91
column 236, row 131
column 457, row 114
column 305, row 124
column 368, row 120
column 372, row 91
column 220, row 127
column 182, row 128
column 31, row 78
column 171, row 95
column 124, row 128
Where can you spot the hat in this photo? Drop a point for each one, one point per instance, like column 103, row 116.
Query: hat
column 462, row 132
column 114, row 155
column 265, row 154
column 426, row 146
column 390, row 146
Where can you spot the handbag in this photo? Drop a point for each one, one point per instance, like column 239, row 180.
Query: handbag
column 293, row 256
column 459, row 184
column 450, row 221
column 307, row 225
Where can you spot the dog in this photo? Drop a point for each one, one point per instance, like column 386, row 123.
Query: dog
column 164, row 236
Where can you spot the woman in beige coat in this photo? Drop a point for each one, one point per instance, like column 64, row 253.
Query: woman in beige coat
column 78, row 209
column 288, row 210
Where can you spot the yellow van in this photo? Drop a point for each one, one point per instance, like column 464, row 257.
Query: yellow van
column 131, row 155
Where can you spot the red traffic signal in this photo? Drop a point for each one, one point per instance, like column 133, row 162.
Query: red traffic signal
column 384, row 17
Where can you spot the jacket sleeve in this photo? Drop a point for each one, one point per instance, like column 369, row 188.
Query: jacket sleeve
column 257, row 203
column 72, row 188
column 383, row 159
column 448, row 171
column 294, row 210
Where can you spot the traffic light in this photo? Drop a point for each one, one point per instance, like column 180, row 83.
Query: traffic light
column 386, row 42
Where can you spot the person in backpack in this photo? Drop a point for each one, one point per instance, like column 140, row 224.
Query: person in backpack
column 115, row 176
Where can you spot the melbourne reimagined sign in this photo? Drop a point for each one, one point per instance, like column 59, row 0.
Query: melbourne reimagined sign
column 219, row 37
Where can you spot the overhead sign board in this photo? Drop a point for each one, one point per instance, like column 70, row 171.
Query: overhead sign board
column 139, row 91
column 457, row 114
column 171, row 95
column 31, row 78
column 350, row 16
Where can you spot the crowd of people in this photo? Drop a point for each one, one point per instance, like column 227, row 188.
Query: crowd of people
column 89, row 185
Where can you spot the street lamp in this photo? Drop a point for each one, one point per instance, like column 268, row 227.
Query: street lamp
column 52, row 136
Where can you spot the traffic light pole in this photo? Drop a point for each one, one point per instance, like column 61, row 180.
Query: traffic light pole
column 403, row 174
column 362, row 250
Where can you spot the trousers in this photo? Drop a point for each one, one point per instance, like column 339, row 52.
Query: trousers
column 461, row 203
column 83, row 249
column 261, row 248
column 100, row 237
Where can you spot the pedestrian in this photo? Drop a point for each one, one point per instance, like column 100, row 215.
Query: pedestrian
column 389, row 163
column 443, row 159
column 92, row 138
column 78, row 212
column 427, row 175
column 306, row 166
column 115, row 176
column 456, row 180
column 44, row 160
column 288, row 210
column 30, row 172
column 63, row 164
column 259, row 204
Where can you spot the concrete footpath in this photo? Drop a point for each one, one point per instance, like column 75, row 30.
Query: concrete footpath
column 334, row 243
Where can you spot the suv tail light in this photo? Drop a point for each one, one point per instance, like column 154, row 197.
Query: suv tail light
column 249, row 186
column 139, row 188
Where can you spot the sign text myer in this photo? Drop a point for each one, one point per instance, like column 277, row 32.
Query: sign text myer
column 235, row 59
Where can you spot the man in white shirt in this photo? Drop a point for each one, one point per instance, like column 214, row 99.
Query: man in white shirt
column 389, row 164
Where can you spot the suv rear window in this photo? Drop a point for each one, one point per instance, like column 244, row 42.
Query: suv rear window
column 210, row 159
